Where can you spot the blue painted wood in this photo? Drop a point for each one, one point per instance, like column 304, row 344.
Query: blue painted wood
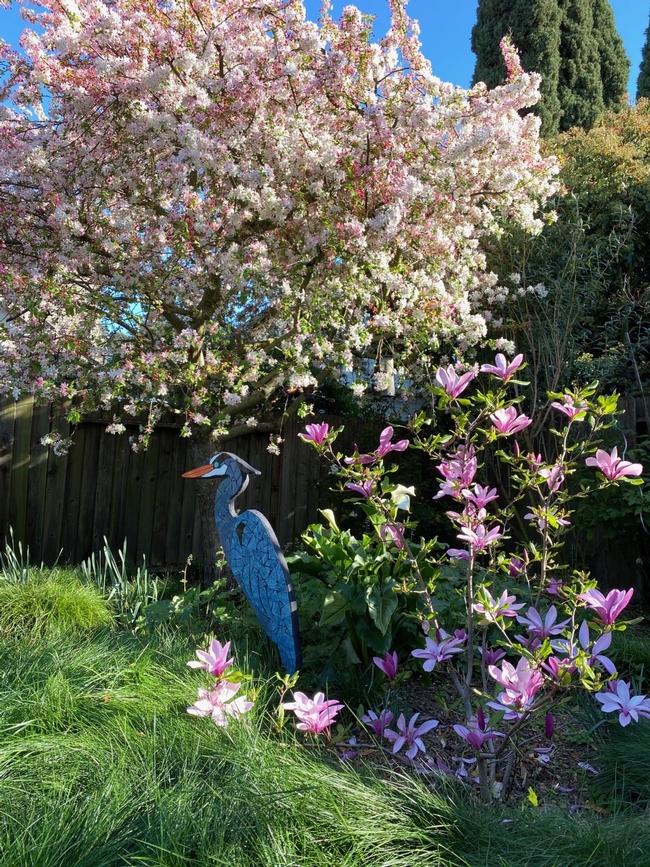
column 255, row 557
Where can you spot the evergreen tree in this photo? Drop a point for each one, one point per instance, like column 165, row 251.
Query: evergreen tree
column 535, row 29
column 580, row 87
column 614, row 62
column 572, row 43
column 643, row 81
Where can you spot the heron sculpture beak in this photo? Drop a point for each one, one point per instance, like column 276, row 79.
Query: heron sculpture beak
column 198, row 472
column 206, row 471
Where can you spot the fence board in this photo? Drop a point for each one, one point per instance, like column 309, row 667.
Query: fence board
column 57, row 471
column 102, row 488
column 7, row 422
column 20, row 468
column 37, row 479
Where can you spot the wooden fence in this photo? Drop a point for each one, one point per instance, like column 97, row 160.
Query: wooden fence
column 64, row 506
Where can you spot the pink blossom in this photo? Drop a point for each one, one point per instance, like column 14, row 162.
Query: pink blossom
column 365, row 488
column 377, row 724
column 570, row 408
column 440, row 649
column 458, row 472
column 476, row 734
column 410, row 735
column 215, row 661
column 453, row 384
column 501, row 368
column 315, row 433
column 315, row 715
column 596, row 653
column 386, row 446
column 457, row 554
column 507, row 421
column 218, row 703
column 492, row 655
column 554, row 477
column 542, row 628
column 480, row 496
column 613, row 467
column 491, row 608
column 623, row 703
column 388, row 664
column 392, row 532
column 480, row 537
column 520, row 684
column 516, row 566
column 607, row 607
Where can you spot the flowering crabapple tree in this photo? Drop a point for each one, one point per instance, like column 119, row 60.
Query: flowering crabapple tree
column 202, row 203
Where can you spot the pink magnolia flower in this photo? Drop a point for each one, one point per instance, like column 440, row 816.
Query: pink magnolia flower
column 476, row 734
column 388, row 664
column 391, row 532
column 570, row 408
column 613, row 467
column 492, row 608
column 507, row 421
column 458, row 472
column 480, row 496
column 315, row 433
column 410, row 735
column 516, row 566
column 440, row 649
column 215, row 660
column 377, row 724
column 218, row 703
column 493, row 655
column 607, row 607
column 365, row 488
column 542, row 628
column 501, row 368
column 621, row 702
column 385, row 447
column 601, row 643
column 520, row 683
column 315, row 715
column 453, row 384
column 480, row 537
column 554, row 477
column 457, row 554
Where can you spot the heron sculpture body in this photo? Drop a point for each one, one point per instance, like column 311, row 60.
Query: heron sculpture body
column 254, row 555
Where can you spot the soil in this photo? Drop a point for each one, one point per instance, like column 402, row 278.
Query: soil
column 546, row 772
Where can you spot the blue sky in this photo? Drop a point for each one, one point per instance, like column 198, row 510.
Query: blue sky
column 446, row 28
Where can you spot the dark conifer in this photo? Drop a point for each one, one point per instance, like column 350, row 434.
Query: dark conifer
column 572, row 43
column 643, row 81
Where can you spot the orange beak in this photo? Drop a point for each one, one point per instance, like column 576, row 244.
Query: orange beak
column 198, row 472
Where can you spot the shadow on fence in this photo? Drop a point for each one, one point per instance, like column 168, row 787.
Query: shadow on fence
column 66, row 505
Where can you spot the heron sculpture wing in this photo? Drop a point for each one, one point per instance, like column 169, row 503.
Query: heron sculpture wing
column 259, row 566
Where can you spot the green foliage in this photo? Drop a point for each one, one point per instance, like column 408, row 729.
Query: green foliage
column 623, row 758
column 361, row 590
column 590, row 317
column 130, row 593
column 51, row 601
column 643, row 81
column 575, row 46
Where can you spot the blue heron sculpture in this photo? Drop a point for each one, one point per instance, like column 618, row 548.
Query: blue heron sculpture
column 254, row 555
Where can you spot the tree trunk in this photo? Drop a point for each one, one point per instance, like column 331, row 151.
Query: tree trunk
column 200, row 454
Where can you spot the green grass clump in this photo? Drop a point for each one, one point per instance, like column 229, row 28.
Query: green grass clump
column 52, row 600
column 623, row 758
